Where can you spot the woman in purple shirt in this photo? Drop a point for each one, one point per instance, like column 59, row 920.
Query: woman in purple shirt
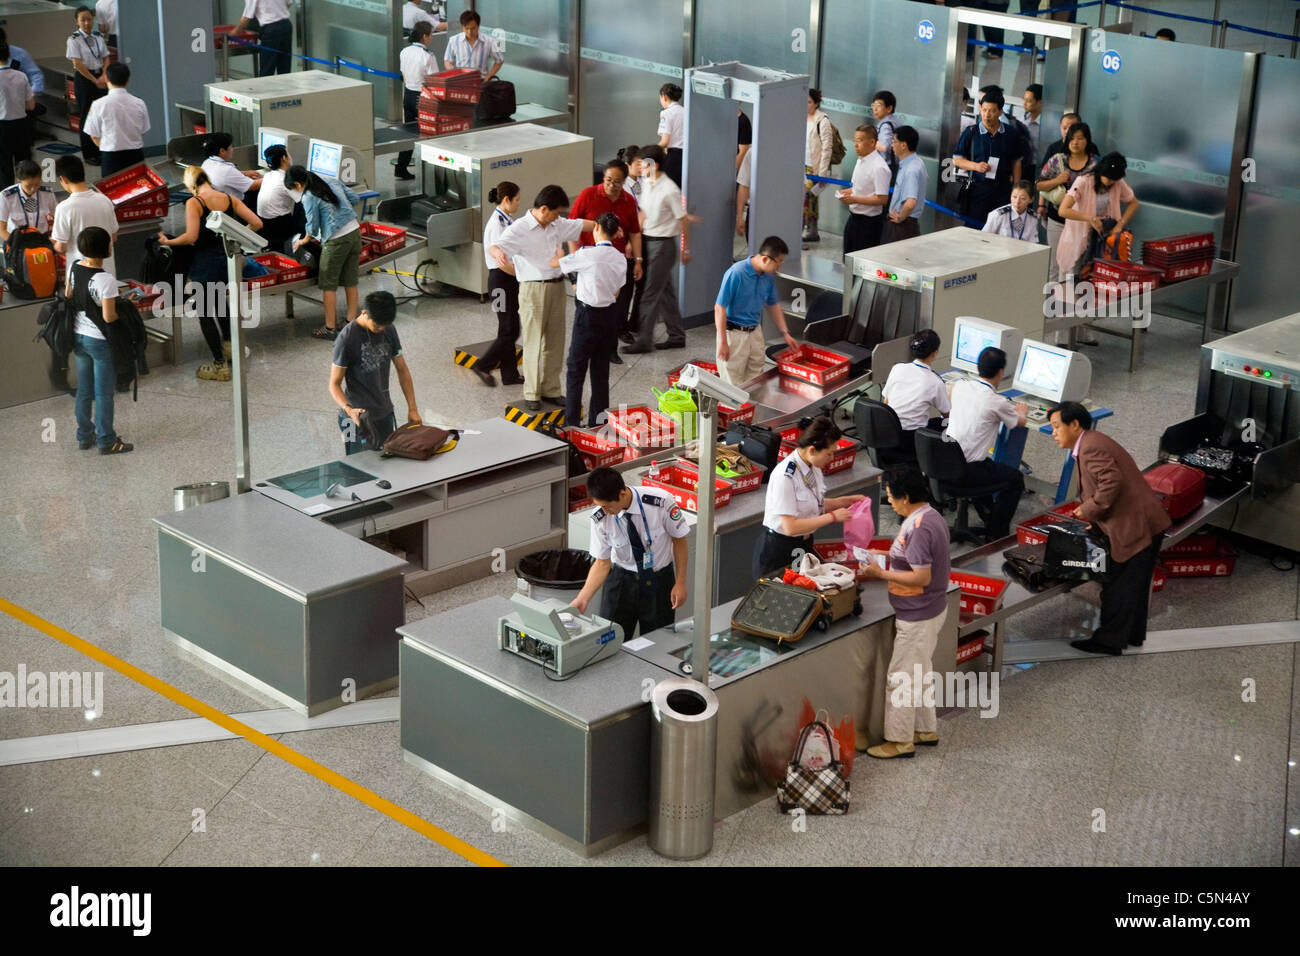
column 918, row 591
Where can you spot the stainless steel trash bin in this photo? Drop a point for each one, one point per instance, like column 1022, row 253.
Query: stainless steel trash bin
column 189, row 496
column 683, row 760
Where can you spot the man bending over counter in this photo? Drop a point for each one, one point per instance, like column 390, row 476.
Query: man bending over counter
column 362, row 353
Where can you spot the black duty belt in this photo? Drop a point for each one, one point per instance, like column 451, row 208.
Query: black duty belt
column 733, row 327
column 556, row 279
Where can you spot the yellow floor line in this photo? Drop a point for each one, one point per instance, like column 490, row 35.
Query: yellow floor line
column 306, row 764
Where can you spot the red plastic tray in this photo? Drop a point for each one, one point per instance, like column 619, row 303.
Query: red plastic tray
column 726, row 415
column 1124, row 271
column 578, row 499
column 462, row 86
column 676, row 373
column 683, row 487
column 1158, row 577
column 814, row 364
column 137, row 183
column 1026, row 536
column 973, row 647
column 750, row 482
column 643, row 426
column 980, row 595
column 384, row 237
column 285, row 268
column 136, row 213
column 1220, row 564
column 1195, row 544
column 432, row 106
column 262, row 282
column 150, row 295
column 839, row 553
column 592, row 441
column 1189, row 270
column 1173, row 245
column 439, row 125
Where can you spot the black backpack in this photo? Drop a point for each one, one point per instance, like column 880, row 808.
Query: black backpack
column 24, row 247
column 163, row 263
column 58, row 321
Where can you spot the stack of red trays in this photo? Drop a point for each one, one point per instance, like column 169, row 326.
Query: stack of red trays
column 448, row 101
column 1180, row 257
column 137, row 193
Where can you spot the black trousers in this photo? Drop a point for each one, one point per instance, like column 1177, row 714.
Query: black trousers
column 594, row 338
column 862, row 232
column 988, row 194
column 1125, row 596
column 775, row 551
column 15, row 146
column 503, row 294
column 673, row 167
column 87, row 92
column 629, row 600
column 1000, row 509
column 277, row 36
column 623, row 304
column 278, row 230
column 909, row 228
column 112, row 161
column 410, row 113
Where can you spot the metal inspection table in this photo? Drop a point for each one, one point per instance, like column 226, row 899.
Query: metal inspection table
column 571, row 758
column 303, row 613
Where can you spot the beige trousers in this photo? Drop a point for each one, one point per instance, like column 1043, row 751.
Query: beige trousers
column 541, row 319
column 747, row 356
column 914, row 643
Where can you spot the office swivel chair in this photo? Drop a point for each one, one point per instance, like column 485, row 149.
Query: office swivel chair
column 880, row 431
column 943, row 463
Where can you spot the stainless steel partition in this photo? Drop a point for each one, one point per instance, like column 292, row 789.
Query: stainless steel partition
column 368, row 32
column 536, row 38
column 773, row 34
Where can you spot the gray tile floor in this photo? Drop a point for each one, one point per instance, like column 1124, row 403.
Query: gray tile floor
column 1147, row 760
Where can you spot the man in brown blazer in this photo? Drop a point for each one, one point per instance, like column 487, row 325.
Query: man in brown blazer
column 1115, row 497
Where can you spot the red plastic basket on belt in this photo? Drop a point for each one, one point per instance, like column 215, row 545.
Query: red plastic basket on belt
column 1187, row 270
column 971, row 647
column 383, row 237
column 462, row 86
column 433, row 124
column 676, row 373
column 285, row 268
column 1195, row 544
column 1115, row 271
column 136, row 193
column 1193, row 243
column 1202, row 563
column 980, row 595
column 643, row 426
column 847, row 450
column 145, row 304
column 579, row 499
column 745, row 413
column 684, row 487
column 1025, row 533
column 813, row 364
column 750, row 482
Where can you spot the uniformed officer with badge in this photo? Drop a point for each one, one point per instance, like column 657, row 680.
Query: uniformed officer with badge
column 796, row 499
column 638, row 538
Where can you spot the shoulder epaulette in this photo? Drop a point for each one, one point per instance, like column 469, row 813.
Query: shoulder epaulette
column 653, row 500
column 598, row 514
column 791, row 467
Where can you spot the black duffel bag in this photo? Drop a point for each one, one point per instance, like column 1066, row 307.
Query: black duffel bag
column 496, row 102
column 1076, row 551
column 758, row 443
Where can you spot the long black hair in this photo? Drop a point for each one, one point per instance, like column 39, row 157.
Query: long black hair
column 298, row 175
column 1113, row 166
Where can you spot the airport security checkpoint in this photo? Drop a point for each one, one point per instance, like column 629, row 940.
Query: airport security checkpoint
column 1063, row 457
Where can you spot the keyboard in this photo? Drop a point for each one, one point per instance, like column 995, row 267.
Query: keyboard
column 1038, row 413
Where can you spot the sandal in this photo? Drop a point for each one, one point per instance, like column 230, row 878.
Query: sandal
column 325, row 332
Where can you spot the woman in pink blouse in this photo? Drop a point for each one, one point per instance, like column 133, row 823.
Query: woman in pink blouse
column 1096, row 196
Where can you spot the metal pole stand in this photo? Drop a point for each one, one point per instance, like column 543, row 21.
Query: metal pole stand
column 234, row 271
column 705, row 494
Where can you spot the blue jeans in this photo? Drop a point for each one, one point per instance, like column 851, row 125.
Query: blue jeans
column 96, row 382
column 383, row 427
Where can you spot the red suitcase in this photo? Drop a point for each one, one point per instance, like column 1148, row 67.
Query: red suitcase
column 1180, row 488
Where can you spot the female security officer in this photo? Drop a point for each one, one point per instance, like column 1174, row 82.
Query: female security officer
column 796, row 499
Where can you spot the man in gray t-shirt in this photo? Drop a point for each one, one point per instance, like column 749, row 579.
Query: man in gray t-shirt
column 918, row 587
column 362, row 353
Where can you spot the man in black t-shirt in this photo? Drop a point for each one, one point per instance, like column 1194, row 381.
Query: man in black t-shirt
column 359, row 376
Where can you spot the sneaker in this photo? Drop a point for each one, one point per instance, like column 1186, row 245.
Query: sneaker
column 118, row 447
column 225, row 349
column 325, row 332
column 213, row 372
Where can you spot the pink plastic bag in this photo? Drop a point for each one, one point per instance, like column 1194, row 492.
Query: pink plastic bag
column 861, row 528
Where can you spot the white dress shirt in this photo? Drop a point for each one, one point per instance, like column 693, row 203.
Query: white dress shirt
column 106, row 13
column 119, row 119
column 910, row 390
column 15, row 91
column 224, row 176
column 658, row 520
column 273, row 199
column 415, row 63
column 977, row 412
column 796, row 489
column 532, row 246
column 19, row 210
column 266, row 11
column 601, row 270
column 413, row 13
column 745, row 170
column 79, row 210
column 476, row 57
column 672, row 120
column 1004, row 221
column 90, row 49
column 870, row 178
column 496, row 226
column 661, row 201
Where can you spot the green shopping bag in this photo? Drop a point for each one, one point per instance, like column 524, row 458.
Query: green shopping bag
column 679, row 405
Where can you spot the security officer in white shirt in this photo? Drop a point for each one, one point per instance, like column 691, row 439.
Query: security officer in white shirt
column 218, row 148
column 913, row 388
column 1015, row 220
column 106, row 17
column 601, row 271
column 88, row 52
column 16, row 101
column 796, row 500
column 638, row 538
column 117, row 123
column 277, row 35
column 413, row 13
column 26, row 204
column 978, row 411
column 415, row 63
column 672, row 129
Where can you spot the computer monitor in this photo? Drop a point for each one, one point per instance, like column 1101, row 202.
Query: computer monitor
column 1053, row 374
column 266, row 138
column 971, row 336
column 324, row 158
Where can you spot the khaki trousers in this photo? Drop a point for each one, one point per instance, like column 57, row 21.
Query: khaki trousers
column 914, row 643
column 748, row 356
column 541, row 319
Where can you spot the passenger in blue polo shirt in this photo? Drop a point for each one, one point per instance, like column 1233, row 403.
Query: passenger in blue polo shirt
column 747, row 289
